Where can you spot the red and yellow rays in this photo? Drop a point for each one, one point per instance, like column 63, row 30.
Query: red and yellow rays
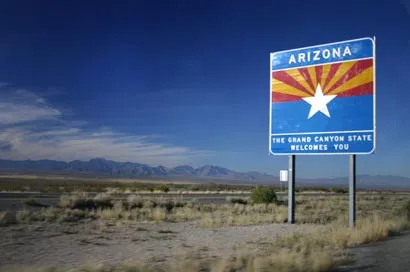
column 343, row 79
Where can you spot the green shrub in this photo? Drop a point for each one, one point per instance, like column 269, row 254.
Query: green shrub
column 339, row 190
column 238, row 201
column 264, row 195
column 163, row 188
column 32, row 202
column 405, row 210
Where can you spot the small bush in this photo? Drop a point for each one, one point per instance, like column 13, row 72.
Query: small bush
column 320, row 189
column 264, row 195
column 134, row 201
column 83, row 202
column 339, row 190
column 32, row 202
column 405, row 210
column 238, row 201
column 163, row 188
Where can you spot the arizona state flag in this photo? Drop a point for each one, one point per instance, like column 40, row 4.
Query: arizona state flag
column 323, row 91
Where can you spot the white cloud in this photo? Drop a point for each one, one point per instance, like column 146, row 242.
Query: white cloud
column 23, row 106
column 27, row 133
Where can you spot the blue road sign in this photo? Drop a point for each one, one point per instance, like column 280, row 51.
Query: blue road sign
column 323, row 99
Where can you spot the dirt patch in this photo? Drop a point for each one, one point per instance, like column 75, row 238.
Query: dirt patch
column 75, row 245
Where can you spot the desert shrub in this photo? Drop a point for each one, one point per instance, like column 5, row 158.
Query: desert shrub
column 264, row 195
column 83, row 202
column 134, row 201
column 7, row 218
column 405, row 210
column 339, row 190
column 32, row 202
column 238, row 201
column 163, row 188
column 320, row 189
column 51, row 215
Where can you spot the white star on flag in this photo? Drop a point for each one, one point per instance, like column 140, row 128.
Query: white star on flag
column 319, row 102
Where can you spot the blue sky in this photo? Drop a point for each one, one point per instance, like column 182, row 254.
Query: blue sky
column 183, row 82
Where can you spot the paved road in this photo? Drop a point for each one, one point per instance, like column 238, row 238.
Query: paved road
column 169, row 195
column 190, row 195
column 14, row 201
column 392, row 255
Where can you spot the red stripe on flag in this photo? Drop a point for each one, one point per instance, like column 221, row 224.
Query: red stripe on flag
column 280, row 97
column 287, row 79
column 365, row 89
column 332, row 72
column 355, row 70
column 304, row 72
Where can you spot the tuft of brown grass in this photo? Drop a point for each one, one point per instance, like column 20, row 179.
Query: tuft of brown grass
column 51, row 215
column 81, row 201
column 238, row 214
column 7, row 218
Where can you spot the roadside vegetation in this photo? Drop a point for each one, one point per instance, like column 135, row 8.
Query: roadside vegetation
column 262, row 206
column 379, row 216
column 317, row 251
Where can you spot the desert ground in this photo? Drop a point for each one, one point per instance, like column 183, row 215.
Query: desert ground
column 244, row 231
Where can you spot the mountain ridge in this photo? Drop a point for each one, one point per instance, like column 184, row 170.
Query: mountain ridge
column 109, row 168
column 130, row 169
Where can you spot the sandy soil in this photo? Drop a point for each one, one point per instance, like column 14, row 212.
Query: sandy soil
column 69, row 246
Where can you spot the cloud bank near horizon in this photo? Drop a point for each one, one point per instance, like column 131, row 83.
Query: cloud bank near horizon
column 31, row 128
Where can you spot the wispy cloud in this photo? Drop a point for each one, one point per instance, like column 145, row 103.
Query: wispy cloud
column 23, row 106
column 31, row 128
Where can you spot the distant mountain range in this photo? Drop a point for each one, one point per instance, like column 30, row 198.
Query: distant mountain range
column 107, row 168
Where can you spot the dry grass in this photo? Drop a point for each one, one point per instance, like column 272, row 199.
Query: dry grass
column 378, row 217
column 238, row 214
column 316, row 251
column 318, row 210
column 77, row 207
column 313, row 252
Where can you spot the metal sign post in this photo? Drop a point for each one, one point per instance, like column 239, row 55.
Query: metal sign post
column 352, row 191
column 280, row 181
column 323, row 102
column 291, row 190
